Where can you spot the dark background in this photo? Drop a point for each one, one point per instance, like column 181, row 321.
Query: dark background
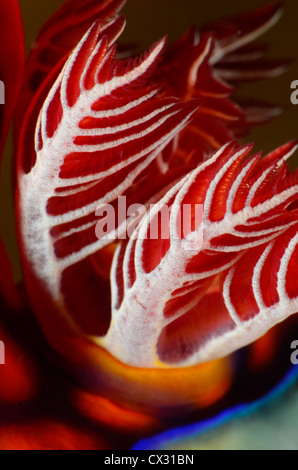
column 148, row 20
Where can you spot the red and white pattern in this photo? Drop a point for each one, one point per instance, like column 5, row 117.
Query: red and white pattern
column 54, row 42
column 204, row 64
column 100, row 126
column 158, row 285
column 108, row 128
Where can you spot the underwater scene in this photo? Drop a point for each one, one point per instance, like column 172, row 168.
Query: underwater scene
column 149, row 227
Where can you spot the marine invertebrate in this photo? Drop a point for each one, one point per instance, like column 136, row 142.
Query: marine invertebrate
column 99, row 127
